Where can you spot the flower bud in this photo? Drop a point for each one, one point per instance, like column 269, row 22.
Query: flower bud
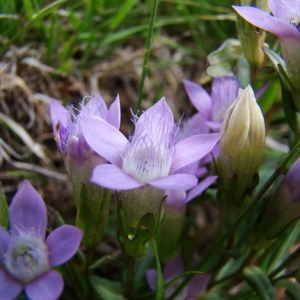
column 241, row 147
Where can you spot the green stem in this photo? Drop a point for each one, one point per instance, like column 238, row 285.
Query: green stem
column 147, row 53
column 218, row 245
column 160, row 291
column 129, row 277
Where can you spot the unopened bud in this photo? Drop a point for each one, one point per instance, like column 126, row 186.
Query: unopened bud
column 241, row 147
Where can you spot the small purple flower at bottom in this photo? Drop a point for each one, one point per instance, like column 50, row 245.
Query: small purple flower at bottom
column 173, row 269
column 26, row 259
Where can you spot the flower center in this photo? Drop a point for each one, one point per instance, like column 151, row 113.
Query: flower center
column 27, row 258
column 148, row 156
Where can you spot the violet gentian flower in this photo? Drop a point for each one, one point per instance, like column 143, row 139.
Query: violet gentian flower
column 151, row 156
column 26, row 259
column 80, row 160
column 213, row 107
column 175, row 268
column 67, row 131
column 285, row 24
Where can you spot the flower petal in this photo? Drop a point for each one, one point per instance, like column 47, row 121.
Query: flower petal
column 62, row 244
column 151, row 276
column 28, row 211
column 111, row 177
column 199, row 97
column 175, row 198
column 58, row 114
column 192, row 149
column 198, row 284
column 48, row 286
column 202, row 186
column 104, row 139
column 267, row 22
column 9, row 287
column 284, row 10
column 113, row 116
column 173, row 268
column 175, row 182
column 4, row 240
column 159, row 110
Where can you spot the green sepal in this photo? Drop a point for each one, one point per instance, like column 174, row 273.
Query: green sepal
column 92, row 213
column 135, row 244
column 259, row 282
column 107, row 289
column 3, row 209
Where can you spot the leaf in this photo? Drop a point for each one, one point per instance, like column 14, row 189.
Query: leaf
column 292, row 290
column 107, row 289
column 259, row 282
column 3, row 209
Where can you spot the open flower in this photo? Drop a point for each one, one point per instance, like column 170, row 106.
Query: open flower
column 285, row 23
column 172, row 269
column 151, row 156
column 213, row 107
column 26, row 259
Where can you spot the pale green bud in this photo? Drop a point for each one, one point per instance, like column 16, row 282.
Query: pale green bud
column 241, row 146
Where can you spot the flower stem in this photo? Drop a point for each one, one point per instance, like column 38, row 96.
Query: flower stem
column 129, row 277
column 147, row 53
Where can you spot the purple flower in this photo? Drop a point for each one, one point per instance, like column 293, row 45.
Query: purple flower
column 285, row 23
column 67, row 131
column 175, row 268
column 151, row 156
column 26, row 259
column 213, row 107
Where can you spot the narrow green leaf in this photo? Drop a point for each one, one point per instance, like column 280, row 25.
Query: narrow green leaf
column 122, row 13
column 259, row 282
column 107, row 289
column 3, row 209
column 292, row 289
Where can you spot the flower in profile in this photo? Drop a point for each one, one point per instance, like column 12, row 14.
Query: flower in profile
column 80, row 160
column 173, row 269
column 285, row 24
column 213, row 107
column 151, row 156
column 26, row 259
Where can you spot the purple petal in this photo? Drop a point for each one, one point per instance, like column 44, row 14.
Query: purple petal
column 284, row 9
column 111, row 177
column 10, row 288
column 199, row 97
column 175, row 182
column 104, row 139
column 175, row 198
column 192, row 149
column 49, row 286
column 113, row 116
column 156, row 112
column 202, row 186
column 4, row 241
column 58, row 114
column 267, row 22
column 193, row 126
column 62, row 244
column 95, row 107
column 151, row 276
column 173, row 268
column 198, row 284
column 28, row 211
